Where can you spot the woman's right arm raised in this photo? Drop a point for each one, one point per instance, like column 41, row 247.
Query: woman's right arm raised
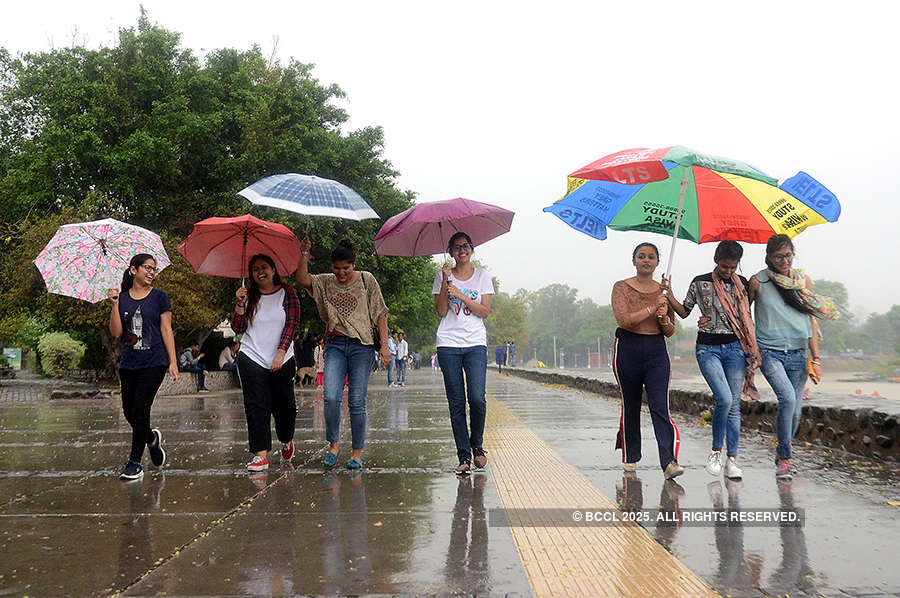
column 303, row 268
column 115, row 321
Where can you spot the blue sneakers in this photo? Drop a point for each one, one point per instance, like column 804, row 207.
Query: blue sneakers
column 132, row 471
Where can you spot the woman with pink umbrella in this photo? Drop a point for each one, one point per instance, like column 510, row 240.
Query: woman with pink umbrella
column 462, row 297
column 142, row 317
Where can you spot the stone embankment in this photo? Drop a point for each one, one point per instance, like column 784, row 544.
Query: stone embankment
column 828, row 420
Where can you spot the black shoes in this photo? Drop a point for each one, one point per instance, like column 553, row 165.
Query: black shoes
column 157, row 453
column 132, row 471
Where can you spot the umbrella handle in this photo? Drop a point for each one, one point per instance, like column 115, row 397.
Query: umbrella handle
column 687, row 172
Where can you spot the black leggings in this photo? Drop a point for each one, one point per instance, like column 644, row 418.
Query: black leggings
column 267, row 394
column 642, row 362
column 138, row 391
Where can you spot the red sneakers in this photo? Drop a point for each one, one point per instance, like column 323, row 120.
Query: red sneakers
column 287, row 451
column 258, row 464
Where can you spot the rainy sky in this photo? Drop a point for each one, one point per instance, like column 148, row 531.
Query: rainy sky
column 499, row 101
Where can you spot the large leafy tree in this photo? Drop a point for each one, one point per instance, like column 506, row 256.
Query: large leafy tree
column 148, row 132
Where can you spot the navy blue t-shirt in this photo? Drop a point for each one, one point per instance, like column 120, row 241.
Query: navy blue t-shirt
column 142, row 343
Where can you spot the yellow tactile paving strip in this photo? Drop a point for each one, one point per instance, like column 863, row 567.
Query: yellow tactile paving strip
column 579, row 560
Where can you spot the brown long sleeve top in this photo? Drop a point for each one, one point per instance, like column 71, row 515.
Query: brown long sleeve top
column 626, row 300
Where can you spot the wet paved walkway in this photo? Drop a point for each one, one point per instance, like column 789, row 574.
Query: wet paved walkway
column 405, row 524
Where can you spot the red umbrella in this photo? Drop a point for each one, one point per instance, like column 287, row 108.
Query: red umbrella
column 425, row 229
column 222, row 246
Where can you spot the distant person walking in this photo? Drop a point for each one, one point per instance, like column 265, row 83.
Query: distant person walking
column 462, row 297
column 784, row 310
column 319, row 358
column 141, row 317
column 351, row 305
column 500, row 358
column 512, row 354
column 267, row 314
column 726, row 349
column 392, row 363
column 402, row 356
column 641, row 361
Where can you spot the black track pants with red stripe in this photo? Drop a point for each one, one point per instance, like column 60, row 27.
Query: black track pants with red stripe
column 642, row 362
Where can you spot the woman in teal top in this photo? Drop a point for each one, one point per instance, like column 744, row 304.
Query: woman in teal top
column 784, row 308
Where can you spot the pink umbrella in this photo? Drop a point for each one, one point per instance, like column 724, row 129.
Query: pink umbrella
column 222, row 246
column 425, row 229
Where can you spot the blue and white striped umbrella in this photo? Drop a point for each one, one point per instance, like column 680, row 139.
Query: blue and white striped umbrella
column 309, row 195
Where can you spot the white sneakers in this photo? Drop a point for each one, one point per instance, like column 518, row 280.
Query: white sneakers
column 714, row 463
column 714, row 466
column 732, row 471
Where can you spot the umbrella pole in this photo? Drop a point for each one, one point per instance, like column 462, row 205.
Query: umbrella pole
column 687, row 172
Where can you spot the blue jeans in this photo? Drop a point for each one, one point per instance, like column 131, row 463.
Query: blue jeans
column 391, row 368
column 473, row 361
column 200, row 371
column 401, row 370
column 786, row 373
column 346, row 356
column 723, row 367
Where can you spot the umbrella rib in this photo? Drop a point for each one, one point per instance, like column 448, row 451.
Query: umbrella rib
column 274, row 255
column 419, row 236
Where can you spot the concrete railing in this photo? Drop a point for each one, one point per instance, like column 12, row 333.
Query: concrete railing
column 861, row 430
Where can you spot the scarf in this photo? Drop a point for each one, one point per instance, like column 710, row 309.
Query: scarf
column 742, row 325
column 822, row 307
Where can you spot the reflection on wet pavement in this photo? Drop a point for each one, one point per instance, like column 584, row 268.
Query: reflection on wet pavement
column 848, row 543
column 206, row 526
column 405, row 524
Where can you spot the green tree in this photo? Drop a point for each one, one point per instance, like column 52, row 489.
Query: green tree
column 552, row 313
column 507, row 321
column 147, row 132
column 841, row 334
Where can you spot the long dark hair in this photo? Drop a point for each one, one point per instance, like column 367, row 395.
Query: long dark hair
column 790, row 296
column 253, row 293
column 136, row 262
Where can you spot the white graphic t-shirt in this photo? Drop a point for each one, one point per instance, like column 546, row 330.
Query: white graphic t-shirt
column 460, row 327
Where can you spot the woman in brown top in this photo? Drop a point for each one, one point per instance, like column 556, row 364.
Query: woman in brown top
column 351, row 305
column 641, row 361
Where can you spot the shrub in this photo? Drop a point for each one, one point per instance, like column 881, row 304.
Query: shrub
column 59, row 352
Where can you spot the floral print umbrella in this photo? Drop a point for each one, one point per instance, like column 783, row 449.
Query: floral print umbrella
column 84, row 259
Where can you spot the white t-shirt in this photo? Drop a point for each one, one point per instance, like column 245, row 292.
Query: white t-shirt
column 261, row 339
column 460, row 327
column 402, row 349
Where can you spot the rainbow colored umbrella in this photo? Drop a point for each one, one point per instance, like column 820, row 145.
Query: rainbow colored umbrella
column 676, row 191
column 84, row 259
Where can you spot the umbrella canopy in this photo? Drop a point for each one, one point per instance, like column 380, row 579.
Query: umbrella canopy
column 642, row 189
column 425, row 229
column 84, row 259
column 309, row 195
column 222, row 246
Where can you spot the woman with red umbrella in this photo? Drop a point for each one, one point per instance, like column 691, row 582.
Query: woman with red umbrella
column 267, row 315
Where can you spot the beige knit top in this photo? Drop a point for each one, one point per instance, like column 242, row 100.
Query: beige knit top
column 350, row 309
